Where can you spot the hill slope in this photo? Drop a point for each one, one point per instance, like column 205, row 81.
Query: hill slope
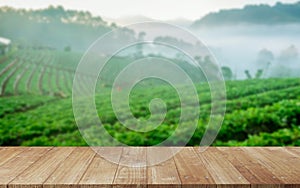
column 253, row 14
column 36, row 107
column 54, row 27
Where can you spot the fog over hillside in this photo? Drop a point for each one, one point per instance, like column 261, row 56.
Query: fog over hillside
column 239, row 46
column 239, row 37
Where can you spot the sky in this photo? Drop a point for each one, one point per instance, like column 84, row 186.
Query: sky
column 155, row 9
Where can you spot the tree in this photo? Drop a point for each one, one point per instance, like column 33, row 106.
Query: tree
column 248, row 74
column 227, row 73
column 259, row 74
column 67, row 49
column 264, row 59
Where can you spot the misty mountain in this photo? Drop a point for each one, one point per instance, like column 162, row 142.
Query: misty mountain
column 182, row 22
column 127, row 20
column 53, row 27
column 253, row 14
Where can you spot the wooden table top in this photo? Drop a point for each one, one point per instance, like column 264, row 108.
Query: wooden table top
column 28, row 167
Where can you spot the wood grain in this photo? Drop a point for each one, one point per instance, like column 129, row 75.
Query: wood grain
column 101, row 173
column 131, row 176
column 7, row 153
column 38, row 172
column 221, row 170
column 275, row 162
column 83, row 167
column 16, row 165
column 250, row 168
column 293, row 150
column 72, row 169
column 192, row 169
column 164, row 174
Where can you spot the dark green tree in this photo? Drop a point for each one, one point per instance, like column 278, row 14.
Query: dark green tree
column 67, row 49
column 248, row 74
column 259, row 74
column 227, row 73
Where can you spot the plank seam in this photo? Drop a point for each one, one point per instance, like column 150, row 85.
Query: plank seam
column 91, row 160
column 58, row 167
column 291, row 152
column 173, row 158
column 200, row 159
column 118, row 168
column 14, row 156
column 247, row 167
column 29, row 165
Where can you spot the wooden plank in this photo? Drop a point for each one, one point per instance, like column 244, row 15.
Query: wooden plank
column 253, row 171
column 221, row 170
column 7, row 153
column 16, row 165
column 282, row 156
column 37, row 173
column 277, row 162
column 3, row 159
column 261, row 167
column 127, row 176
column 72, row 169
column 101, row 173
column 294, row 150
column 192, row 170
column 164, row 174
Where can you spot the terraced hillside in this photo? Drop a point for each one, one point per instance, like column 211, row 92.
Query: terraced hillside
column 36, row 107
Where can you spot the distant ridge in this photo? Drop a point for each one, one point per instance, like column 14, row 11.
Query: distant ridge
column 253, row 14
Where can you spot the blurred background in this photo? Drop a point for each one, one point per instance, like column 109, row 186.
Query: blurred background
column 255, row 43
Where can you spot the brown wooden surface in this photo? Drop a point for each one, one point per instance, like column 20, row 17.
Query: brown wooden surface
column 26, row 167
